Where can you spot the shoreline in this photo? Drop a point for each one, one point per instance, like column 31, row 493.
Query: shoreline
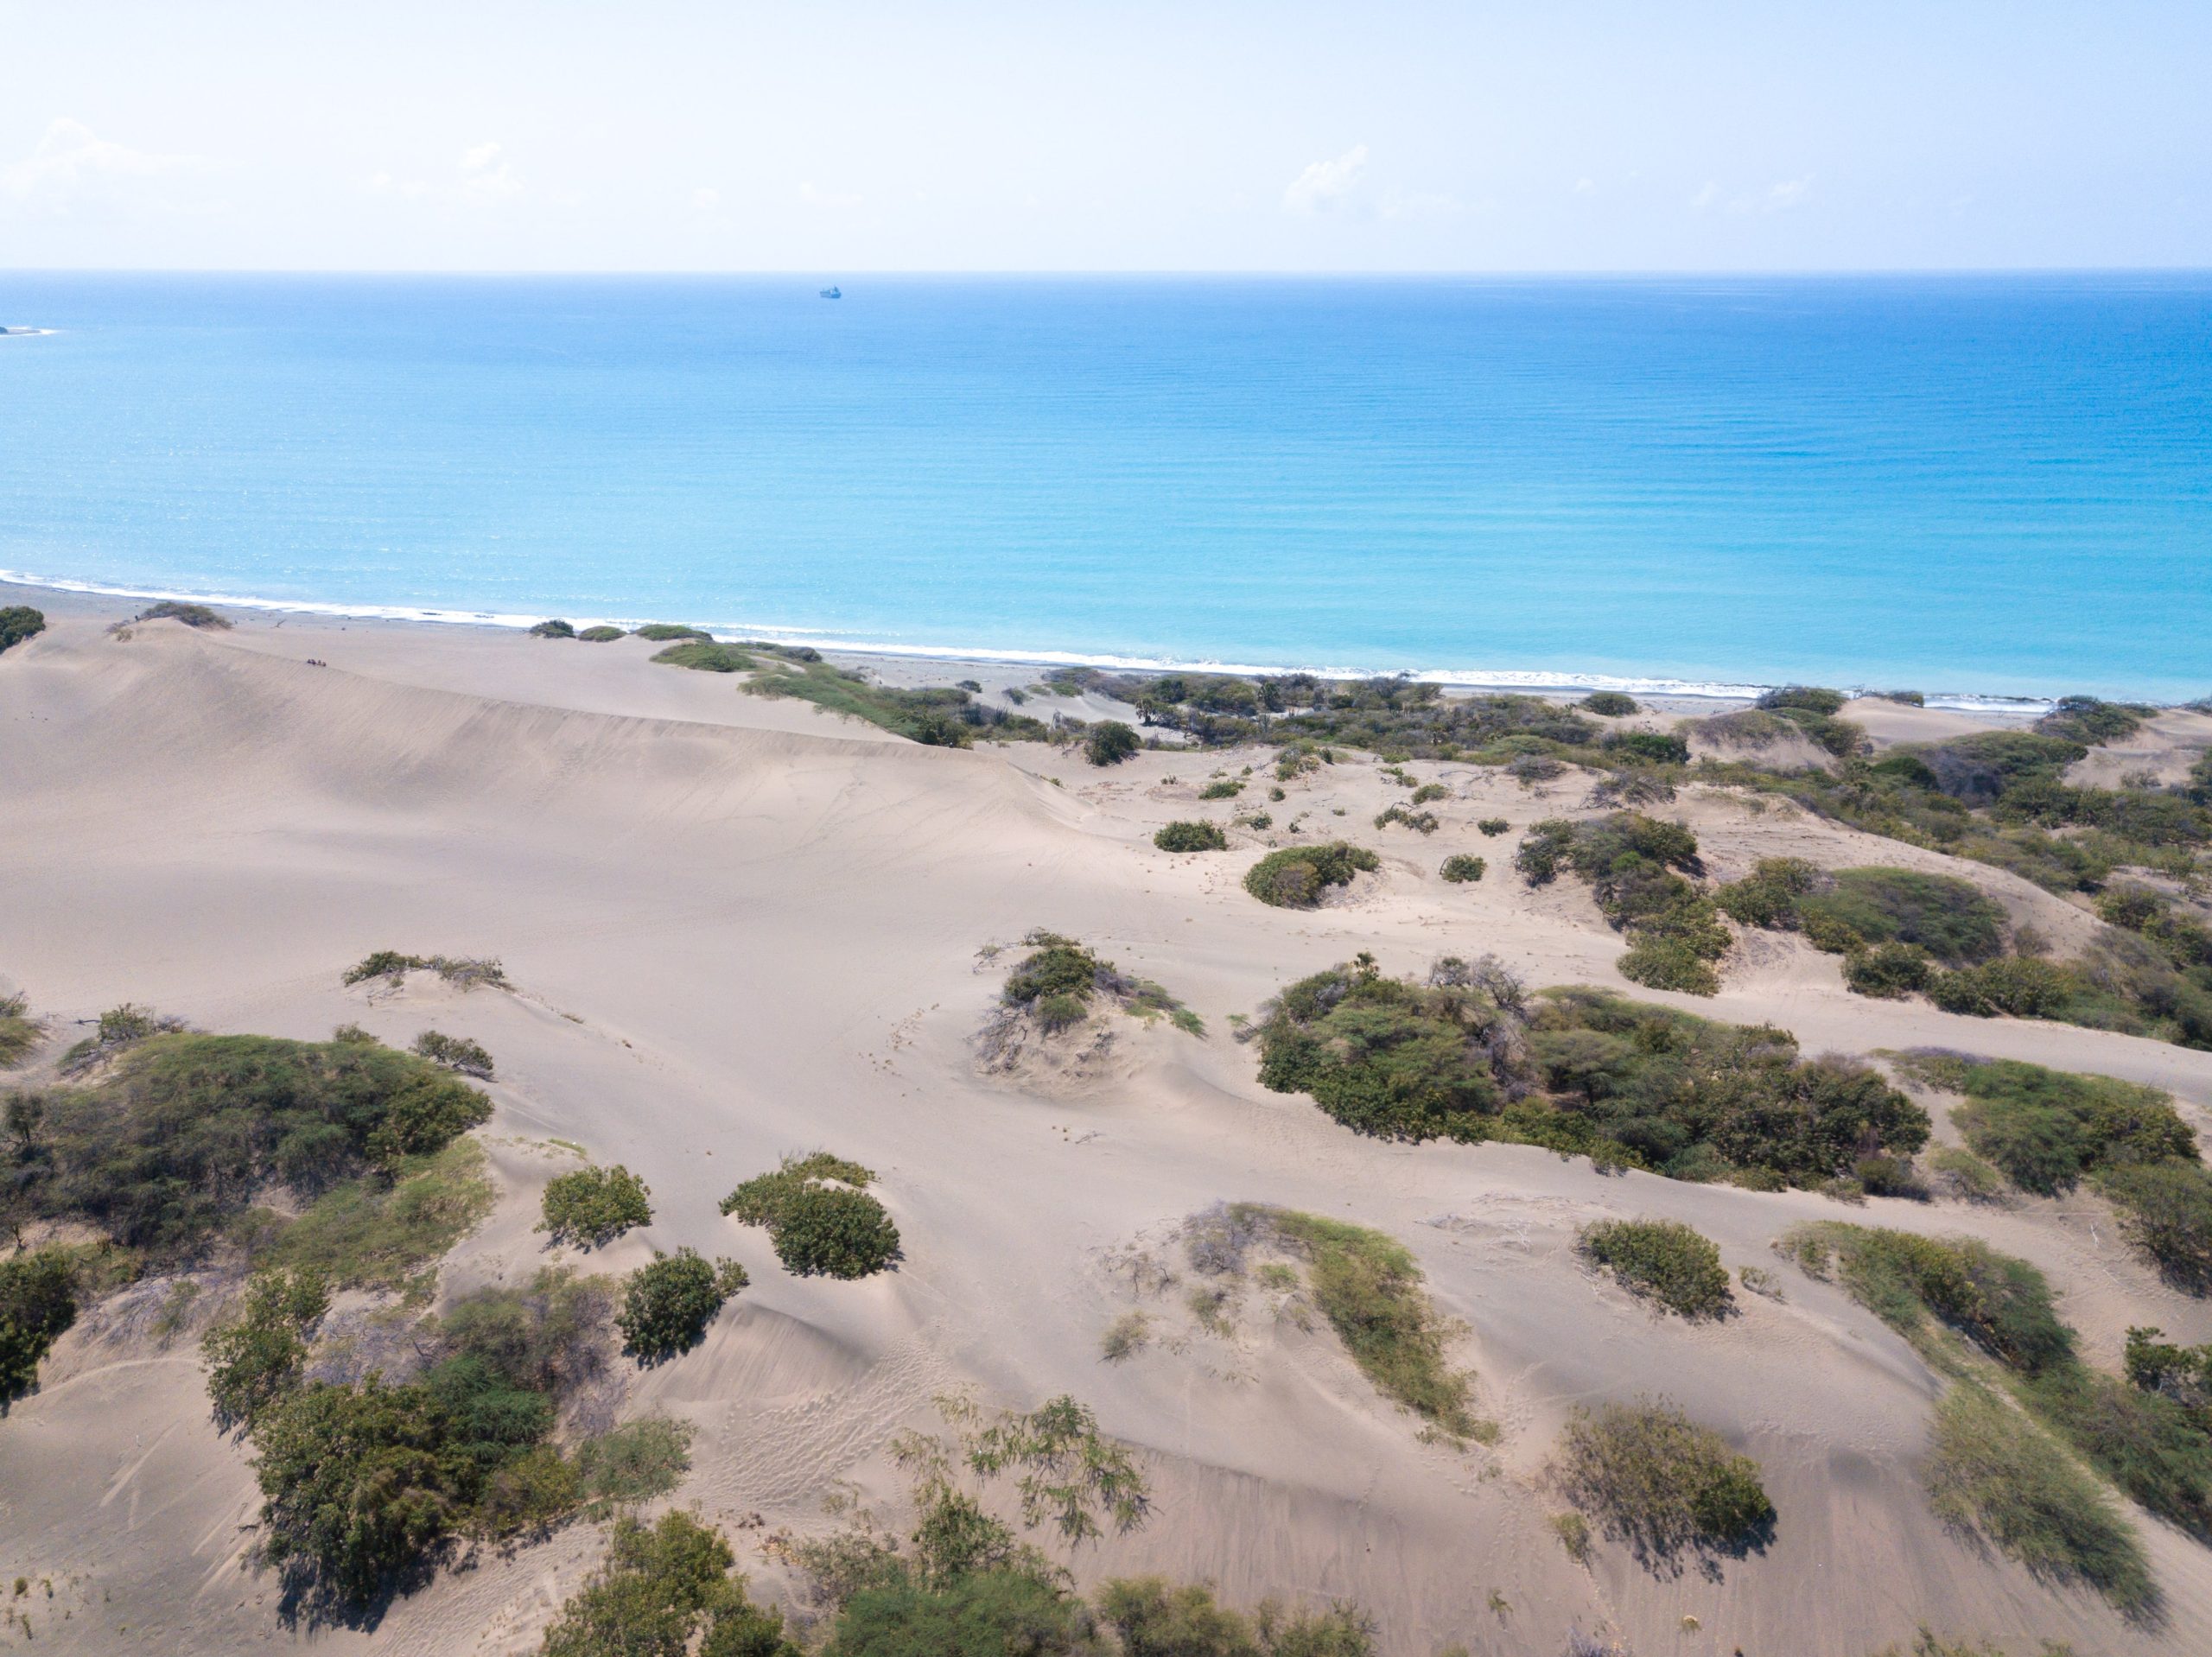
column 1474, row 680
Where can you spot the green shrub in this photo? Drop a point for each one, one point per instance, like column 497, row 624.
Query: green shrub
column 547, row 1336
column 1663, row 1260
column 635, row 1462
column 1662, row 1483
column 382, row 1231
column 191, row 615
column 1890, row 972
column 1002, row 1610
column 1192, row 837
column 2001, row 1304
column 1951, row 919
column 668, row 632
column 1153, row 1618
column 463, row 972
column 1298, row 877
column 1830, row 935
column 38, row 1304
column 254, row 1357
column 1813, row 699
column 1610, row 704
column 819, row 1228
column 601, row 635
column 706, row 656
column 553, row 630
column 2166, row 1212
column 1059, row 967
column 1428, row 791
column 1673, row 964
column 183, row 1131
column 1992, row 1472
column 1058, row 1013
column 1422, row 822
column 667, row 1305
column 665, row 1591
column 1631, row 863
column 17, row 623
column 454, row 1053
column 2086, row 719
column 1493, row 827
column 1222, row 788
column 18, row 1033
column 594, row 1206
column 1369, row 1288
column 1650, row 748
column 2019, row 986
column 1769, row 896
column 1460, row 869
column 2046, row 1129
column 1110, row 742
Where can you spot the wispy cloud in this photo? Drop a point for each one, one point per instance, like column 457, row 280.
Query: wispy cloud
column 1417, row 204
column 71, row 164
column 1778, row 197
column 481, row 173
column 815, row 196
column 1326, row 183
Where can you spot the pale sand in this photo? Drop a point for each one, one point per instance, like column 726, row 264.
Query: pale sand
column 741, row 928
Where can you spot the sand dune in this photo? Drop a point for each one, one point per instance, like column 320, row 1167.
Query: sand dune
column 739, row 928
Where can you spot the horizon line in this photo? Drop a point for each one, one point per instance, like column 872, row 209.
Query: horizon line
column 1226, row 272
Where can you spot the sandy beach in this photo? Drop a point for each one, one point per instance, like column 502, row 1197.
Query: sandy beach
column 737, row 928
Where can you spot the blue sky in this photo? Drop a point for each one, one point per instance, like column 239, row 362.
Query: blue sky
column 848, row 135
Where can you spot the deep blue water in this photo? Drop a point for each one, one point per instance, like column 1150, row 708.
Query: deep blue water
column 1982, row 484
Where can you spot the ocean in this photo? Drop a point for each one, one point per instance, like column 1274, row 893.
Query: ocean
column 1965, row 485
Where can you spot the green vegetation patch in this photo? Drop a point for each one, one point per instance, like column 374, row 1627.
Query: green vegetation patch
column 602, row 634
column 17, row 623
column 593, row 1206
column 1610, row 704
column 1059, row 981
column 661, row 1587
column 554, row 629
column 1460, row 869
column 704, row 655
column 935, row 716
column 38, row 1304
column 1298, row 877
column 383, row 1230
column 1110, row 742
column 183, row 1131
column 191, row 615
column 19, row 1032
column 1152, row 1617
column 1662, row 1483
column 1468, row 1055
column 1636, row 865
column 1662, row 1260
column 1192, row 837
column 2091, row 722
column 819, row 1228
column 462, row 972
column 667, row 1305
column 668, row 632
column 454, row 1053
column 1369, row 1288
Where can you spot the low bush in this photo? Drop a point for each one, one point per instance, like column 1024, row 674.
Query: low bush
column 1459, row 869
column 636, row 1461
column 667, row 1305
column 665, row 1590
column 463, row 972
column 454, row 1053
column 667, row 632
column 1126, row 1336
column 19, row 1032
column 1662, row 1483
column 1610, row 704
column 2166, row 1212
column 548, row 1335
column 17, row 623
column 1493, row 827
column 385, row 1230
column 1890, row 973
column 1430, row 791
column 119, row 1028
column 593, row 1206
column 183, row 1132
column 1222, row 788
column 1192, row 837
column 191, row 615
column 1952, row 920
column 819, row 1228
column 1662, row 1260
column 999, row 1609
column 1648, row 748
column 1636, row 865
column 1812, row 699
column 1369, row 1289
column 602, row 634
column 1992, row 1472
column 706, row 656
column 2088, row 720
column 38, row 1305
column 1422, row 822
column 1110, row 742
column 2047, row 1129
column 1153, row 1618
column 553, row 630
column 1298, row 877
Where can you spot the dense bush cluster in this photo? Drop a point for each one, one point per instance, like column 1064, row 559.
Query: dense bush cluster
column 2047, row 1130
column 1298, row 877
column 1110, row 742
column 1636, row 865
column 593, row 1206
column 667, row 1305
column 1610, row 704
column 38, row 1303
column 1661, row 1482
column 17, row 623
column 554, row 630
column 1460, row 869
column 1663, row 1260
column 660, row 1588
column 819, row 1228
column 191, row 615
column 1192, row 837
column 1468, row 1055
column 181, row 1134
column 1903, row 919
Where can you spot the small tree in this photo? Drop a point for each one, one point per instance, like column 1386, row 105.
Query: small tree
column 594, row 1206
column 254, row 1358
column 1110, row 742
column 667, row 1305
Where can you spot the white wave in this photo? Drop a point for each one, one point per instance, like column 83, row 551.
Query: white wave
column 1470, row 678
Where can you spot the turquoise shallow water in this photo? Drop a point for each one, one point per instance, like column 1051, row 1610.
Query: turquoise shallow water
column 1994, row 485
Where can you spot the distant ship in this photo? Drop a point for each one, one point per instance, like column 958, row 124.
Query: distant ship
column 832, row 293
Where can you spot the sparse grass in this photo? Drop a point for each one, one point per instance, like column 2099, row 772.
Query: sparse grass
column 191, row 615
column 1369, row 1288
column 1222, row 788
column 463, row 972
column 1422, row 822
column 1214, row 1306
column 1994, row 1472
column 119, row 1029
column 1663, row 1260
column 819, row 1228
column 1186, row 836
column 1127, row 1335
column 1661, row 1482
column 454, row 1053
column 1966, row 1175
column 380, row 1234
column 591, row 1207
column 1460, row 869
column 706, row 656
column 1298, row 877
column 1573, row 1533
column 19, row 1032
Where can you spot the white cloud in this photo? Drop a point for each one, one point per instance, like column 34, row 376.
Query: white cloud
column 1417, row 204
column 1585, row 186
column 72, row 164
column 1780, row 198
column 481, row 174
column 820, row 198
column 705, row 200
column 1324, row 183
column 1705, row 197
